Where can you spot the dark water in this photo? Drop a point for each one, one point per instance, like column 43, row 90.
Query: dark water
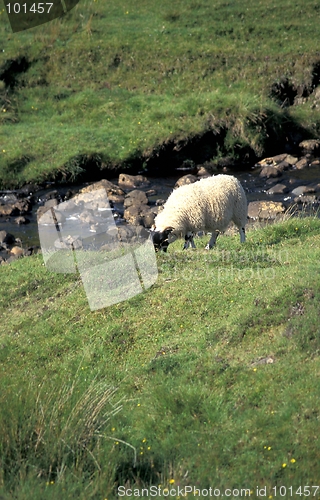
column 254, row 186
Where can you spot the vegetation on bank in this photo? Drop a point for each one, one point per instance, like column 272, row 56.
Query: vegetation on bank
column 127, row 83
column 208, row 379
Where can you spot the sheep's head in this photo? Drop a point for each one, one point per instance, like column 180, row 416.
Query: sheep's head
column 160, row 239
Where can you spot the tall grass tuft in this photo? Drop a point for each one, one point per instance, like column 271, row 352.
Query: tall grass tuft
column 53, row 427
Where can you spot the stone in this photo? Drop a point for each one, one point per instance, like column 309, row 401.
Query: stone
column 309, row 199
column 18, row 251
column 52, row 202
column 16, row 208
column 132, row 181
column 292, row 160
column 310, row 146
column 186, row 179
column 132, row 215
column 44, row 216
column 265, row 209
column 278, row 189
column 315, row 163
column 51, row 195
column 270, row 171
column 28, row 189
column 272, row 160
column 284, row 165
column 142, row 215
column 151, row 192
column 116, row 198
column 303, row 163
column 6, row 237
column 69, row 242
column 87, row 217
column 300, row 190
column 135, row 197
column 203, row 172
column 21, row 220
column 111, row 188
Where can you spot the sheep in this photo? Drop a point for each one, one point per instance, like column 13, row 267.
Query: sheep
column 206, row 205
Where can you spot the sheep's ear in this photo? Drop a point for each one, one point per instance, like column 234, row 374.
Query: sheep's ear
column 168, row 230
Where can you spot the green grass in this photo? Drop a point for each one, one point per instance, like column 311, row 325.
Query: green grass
column 119, row 81
column 208, row 379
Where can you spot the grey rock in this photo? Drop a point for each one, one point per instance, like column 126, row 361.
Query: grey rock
column 292, row 160
column 265, row 209
column 186, row 179
column 278, row 189
column 270, row 171
column 134, row 198
column 132, row 181
column 17, row 208
column 310, row 146
column 308, row 199
column 52, row 202
column 300, row 190
column 303, row 163
column 111, row 188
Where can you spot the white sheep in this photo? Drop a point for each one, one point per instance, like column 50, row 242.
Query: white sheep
column 206, row 205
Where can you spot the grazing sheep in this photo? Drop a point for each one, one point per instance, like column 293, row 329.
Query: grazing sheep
column 207, row 205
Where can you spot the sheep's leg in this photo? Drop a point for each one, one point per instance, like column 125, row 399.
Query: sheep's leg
column 213, row 240
column 242, row 232
column 188, row 241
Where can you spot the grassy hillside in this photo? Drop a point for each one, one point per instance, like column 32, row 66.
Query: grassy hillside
column 208, row 379
column 116, row 83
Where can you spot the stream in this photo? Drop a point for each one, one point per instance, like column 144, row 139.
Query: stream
column 254, row 186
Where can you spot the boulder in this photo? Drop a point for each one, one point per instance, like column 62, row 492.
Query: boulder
column 303, row 163
column 265, row 209
column 52, row 202
column 140, row 215
column 270, row 171
column 278, row 189
column 292, row 160
column 127, row 181
column 310, row 146
column 16, row 208
column 308, row 199
column 186, row 179
column 301, row 190
column 284, row 165
column 135, row 198
column 44, row 216
column 17, row 251
column 112, row 189
column 272, row 160
column 203, row 172
column 315, row 163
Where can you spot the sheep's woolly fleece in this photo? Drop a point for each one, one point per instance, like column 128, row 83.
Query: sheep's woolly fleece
column 207, row 205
